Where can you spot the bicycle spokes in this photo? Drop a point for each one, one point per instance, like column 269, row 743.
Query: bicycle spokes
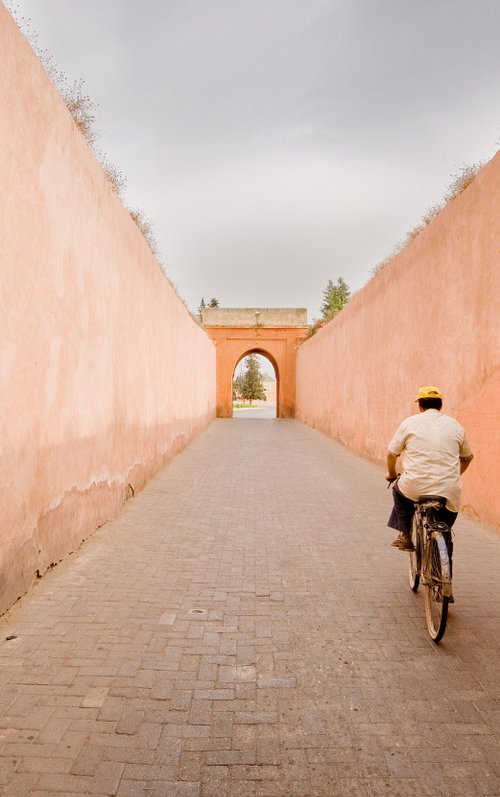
column 437, row 585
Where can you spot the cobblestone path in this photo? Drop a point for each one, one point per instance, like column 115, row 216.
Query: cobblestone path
column 243, row 629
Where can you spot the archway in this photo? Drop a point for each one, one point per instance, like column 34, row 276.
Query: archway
column 276, row 333
column 264, row 409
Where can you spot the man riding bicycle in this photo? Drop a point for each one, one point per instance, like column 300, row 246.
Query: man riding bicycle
column 435, row 454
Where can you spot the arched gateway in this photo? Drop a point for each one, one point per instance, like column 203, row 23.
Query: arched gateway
column 275, row 333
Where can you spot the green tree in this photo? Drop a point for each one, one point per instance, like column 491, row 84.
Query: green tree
column 237, row 387
column 335, row 297
column 201, row 307
column 252, row 388
column 213, row 303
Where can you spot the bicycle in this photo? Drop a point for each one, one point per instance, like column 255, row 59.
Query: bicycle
column 430, row 562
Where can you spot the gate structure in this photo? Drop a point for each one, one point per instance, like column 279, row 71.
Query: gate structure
column 273, row 332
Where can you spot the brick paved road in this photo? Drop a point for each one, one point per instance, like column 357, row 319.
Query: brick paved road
column 243, row 628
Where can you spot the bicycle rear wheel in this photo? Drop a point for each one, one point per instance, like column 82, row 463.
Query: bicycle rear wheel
column 414, row 569
column 437, row 582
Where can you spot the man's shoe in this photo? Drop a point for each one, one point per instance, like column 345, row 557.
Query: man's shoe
column 403, row 542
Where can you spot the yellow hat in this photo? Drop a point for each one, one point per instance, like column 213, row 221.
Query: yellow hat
column 429, row 392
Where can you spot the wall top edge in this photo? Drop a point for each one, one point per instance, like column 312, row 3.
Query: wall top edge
column 254, row 316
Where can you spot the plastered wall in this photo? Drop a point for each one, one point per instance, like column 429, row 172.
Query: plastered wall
column 431, row 316
column 104, row 376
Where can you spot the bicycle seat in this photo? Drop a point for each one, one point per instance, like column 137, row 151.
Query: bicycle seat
column 432, row 499
column 438, row 525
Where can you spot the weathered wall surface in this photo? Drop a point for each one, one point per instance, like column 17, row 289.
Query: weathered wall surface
column 431, row 316
column 103, row 374
column 252, row 316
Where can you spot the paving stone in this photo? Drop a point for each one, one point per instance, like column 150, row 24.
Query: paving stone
column 20, row 785
column 64, row 783
column 133, row 788
column 216, row 782
column 149, row 772
column 177, row 790
column 191, row 766
column 243, row 628
column 275, row 682
column 87, row 761
column 52, row 765
column 107, row 778
column 49, row 793
column 94, row 697
column 130, row 722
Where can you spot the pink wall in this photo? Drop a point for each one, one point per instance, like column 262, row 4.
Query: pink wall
column 104, row 376
column 431, row 316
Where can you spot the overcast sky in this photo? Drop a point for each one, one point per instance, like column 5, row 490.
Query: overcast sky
column 277, row 144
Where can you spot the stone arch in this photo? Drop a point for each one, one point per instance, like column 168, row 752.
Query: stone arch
column 268, row 356
column 273, row 332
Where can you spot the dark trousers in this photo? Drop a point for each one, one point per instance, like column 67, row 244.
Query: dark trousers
column 402, row 512
column 402, row 515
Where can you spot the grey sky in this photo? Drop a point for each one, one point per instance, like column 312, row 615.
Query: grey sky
column 275, row 144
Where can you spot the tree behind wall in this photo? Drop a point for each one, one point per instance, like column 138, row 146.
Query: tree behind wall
column 252, row 388
column 201, row 307
column 335, row 297
column 237, row 387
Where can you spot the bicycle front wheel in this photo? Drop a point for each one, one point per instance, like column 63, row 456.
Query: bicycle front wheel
column 414, row 569
column 437, row 583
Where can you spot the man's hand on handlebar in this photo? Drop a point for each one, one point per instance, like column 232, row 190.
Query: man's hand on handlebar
column 392, row 473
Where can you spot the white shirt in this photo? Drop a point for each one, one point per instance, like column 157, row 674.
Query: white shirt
column 432, row 445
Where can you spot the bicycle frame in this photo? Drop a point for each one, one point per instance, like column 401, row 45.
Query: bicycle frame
column 429, row 527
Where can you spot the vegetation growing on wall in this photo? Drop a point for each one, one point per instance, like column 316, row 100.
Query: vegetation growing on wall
column 461, row 180
column 146, row 228
column 117, row 179
column 81, row 107
column 79, row 104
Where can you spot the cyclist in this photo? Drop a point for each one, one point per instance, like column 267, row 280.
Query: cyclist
column 435, row 453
